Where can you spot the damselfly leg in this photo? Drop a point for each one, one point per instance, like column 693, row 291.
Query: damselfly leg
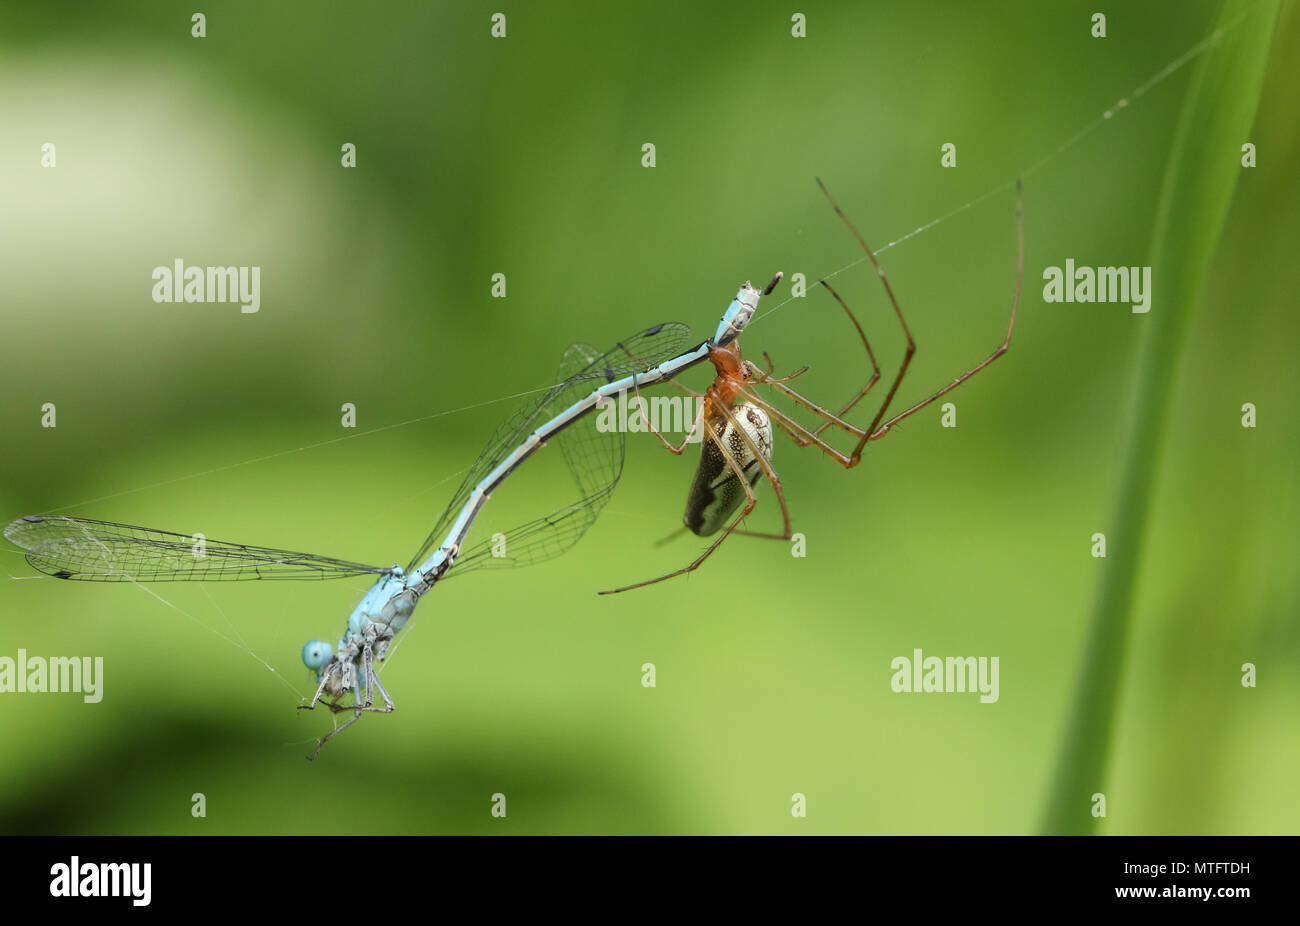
column 361, row 680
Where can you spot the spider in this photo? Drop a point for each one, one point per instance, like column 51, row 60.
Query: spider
column 737, row 422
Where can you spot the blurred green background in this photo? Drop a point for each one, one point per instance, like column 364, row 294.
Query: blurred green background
column 522, row 156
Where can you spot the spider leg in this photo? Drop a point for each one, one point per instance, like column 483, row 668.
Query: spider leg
column 998, row 351
column 797, row 432
column 876, row 430
column 677, row 449
column 911, row 344
column 768, row 471
column 875, row 367
column 783, row 379
column 750, row 501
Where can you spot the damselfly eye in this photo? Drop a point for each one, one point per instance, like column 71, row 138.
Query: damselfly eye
column 316, row 654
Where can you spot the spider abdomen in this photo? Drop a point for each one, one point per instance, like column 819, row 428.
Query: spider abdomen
column 716, row 491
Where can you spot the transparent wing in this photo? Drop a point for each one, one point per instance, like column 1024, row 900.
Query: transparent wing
column 101, row 551
column 594, row 458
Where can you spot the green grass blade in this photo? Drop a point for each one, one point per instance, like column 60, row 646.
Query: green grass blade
column 1202, row 173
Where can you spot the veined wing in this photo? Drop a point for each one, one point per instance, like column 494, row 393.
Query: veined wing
column 101, row 551
column 594, row 458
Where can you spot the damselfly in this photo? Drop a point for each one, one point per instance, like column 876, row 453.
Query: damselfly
column 347, row 679
column 736, row 421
